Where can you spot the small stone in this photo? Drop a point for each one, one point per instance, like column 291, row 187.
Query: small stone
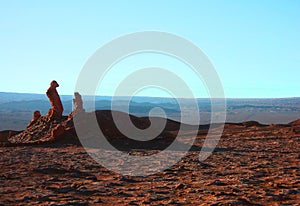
column 218, row 183
column 180, row 186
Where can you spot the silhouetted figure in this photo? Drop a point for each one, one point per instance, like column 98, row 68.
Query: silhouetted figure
column 57, row 108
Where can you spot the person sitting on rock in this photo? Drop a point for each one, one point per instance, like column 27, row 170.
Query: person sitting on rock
column 57, row 108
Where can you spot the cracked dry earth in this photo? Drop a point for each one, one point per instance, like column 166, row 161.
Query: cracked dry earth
column 242, row 171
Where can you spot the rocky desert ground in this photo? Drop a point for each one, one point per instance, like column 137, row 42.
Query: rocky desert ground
column 253, row 164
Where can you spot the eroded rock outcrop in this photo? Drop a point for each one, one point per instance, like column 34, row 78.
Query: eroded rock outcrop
column 78, row 105
column 52, row 126
column 35, row 117
column 57, row 108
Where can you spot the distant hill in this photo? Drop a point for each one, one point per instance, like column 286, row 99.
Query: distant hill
column 16, row 108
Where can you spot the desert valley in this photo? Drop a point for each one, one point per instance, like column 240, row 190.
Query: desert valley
column 253, row 164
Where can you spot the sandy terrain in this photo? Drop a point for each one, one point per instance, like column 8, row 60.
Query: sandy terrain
column 251, row 166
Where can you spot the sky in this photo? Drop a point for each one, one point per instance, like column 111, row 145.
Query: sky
column 253, row 45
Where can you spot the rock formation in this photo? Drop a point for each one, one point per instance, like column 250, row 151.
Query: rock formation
column 57, row 108
column 77, row 101
column 35, row 117
column 52, row 126
column 78, row 105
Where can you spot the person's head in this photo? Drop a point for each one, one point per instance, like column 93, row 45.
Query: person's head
column 54, row 84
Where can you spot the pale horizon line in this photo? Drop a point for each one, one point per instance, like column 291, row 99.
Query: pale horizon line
column 287, row 97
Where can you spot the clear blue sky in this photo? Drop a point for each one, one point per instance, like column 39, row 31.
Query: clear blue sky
column 254, row 45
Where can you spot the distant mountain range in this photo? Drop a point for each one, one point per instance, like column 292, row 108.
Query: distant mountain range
column 16, row 108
